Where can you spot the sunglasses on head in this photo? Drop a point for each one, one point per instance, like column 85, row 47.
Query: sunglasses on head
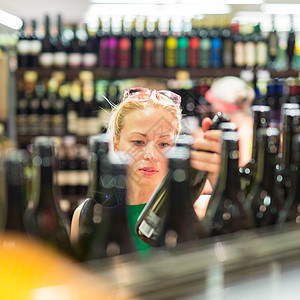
column 143, row 94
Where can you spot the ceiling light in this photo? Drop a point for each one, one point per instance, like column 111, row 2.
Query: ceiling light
column 10, row 20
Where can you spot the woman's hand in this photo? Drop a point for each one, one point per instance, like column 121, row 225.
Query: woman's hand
column 208, row 154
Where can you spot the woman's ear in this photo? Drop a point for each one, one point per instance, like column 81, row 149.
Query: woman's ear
column 116, row 144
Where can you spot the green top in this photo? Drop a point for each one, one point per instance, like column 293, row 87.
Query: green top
column 133, row 212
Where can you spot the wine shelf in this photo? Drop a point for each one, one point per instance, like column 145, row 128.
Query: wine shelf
column 123, row 73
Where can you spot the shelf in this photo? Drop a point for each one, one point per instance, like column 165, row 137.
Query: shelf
column 24, row 140
column 119, row 73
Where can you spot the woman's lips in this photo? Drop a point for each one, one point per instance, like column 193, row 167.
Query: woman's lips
column 148, row 171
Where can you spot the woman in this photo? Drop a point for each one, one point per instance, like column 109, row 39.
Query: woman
column 146, row 124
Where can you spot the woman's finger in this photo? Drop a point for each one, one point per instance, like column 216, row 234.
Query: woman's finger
column 205, row 157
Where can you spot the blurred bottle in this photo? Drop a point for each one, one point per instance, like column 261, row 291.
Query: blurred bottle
column 160, row 33
column 261, row 119
column 148, row 44
column 291, row 209
column 291, row 42
column 22, row 108
column 44, row 218
column 112, row 43
column 90, row 49
column 46, row 57
column 125, row 48
column 249, row 46
column 137, row 42
column 75, row 50
column 261, row 47
column 169, row 217
column 83, row 175
column 294, row 91
column 102, row 37
column 73, row 106
column 216, row 45
column 44, row 109
column 227, row 211
column 104, row 227
column 263, row 198
column 273, row 44
column 171, row 48
column 205, row 44
column 35, row 47
column 60, row 59
column 15, row 161
column 226, row 35
column 23, row 47
column 239, row 46
column 193, row 43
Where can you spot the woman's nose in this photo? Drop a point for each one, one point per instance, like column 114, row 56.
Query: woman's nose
column 150, row 152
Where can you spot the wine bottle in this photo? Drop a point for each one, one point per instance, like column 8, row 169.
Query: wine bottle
column 148, row 45
column 205, row 44
column 90, row 56
column 263, row 198
column 22, row 109
column 44, row 218
column 294, row 91
column 193, row 47
column 171, row 48
column 104, row 230
column 124, row 46
column 159, row 44
column 261, row 48
column 261, row 119
column 291, row 42
column 226, row 35
column 250, row 46
column 103, row 36
column 239, row 47
column 60, row 59
column 73, row 106
column 273, row 43
column 169, row 218
column 46, row 56
column 137, row 43
column 33, row 102
column 35, row 47
column 15, row 161
column 75, row 50
column 290, row 211
column 23, row 47
column 227, row 211
column 216, row 48
column 112, row 44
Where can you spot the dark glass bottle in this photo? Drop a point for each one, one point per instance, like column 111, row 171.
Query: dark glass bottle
column 261, row 48
column 291, row 43
column 22, row 109
column 90, row 50
column 35, row 47
column 124, row 46
column 171, row 48
column 227, row 211
column 205, row 44
column 46, row 56
column 263, row 198
column 148, row 45
column 15, row 190
column 23, row 47
column 261, row 119
column 105, row 232
column 60, row 49
column 159, row 45
column 169, row 217
column 103, row 36
column 75, row 50
column 226, row 35
column 44, row 218
column 193, row 42
column 112, row 45
column 216, row 48
column 73, row 106
column 273, row 43
column 291, row 209
column 294, row 91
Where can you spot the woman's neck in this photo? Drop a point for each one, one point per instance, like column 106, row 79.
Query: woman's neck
column 138, row 195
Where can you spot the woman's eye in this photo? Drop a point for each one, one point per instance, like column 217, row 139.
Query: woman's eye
column 164, row 145
column 138, row 143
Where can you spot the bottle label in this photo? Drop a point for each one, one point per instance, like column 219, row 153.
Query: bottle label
column 60, row 59
column 89, row 60
column 261, row 53
column 23, row 47
column 146, row 229
column 250, row 54
column 72, row 121
column 35, row 47
column 81, row 126
column 83, row 177
column 75, row 60
column 72, row 178
column 46, row 59
column 62, row 178
column 150, row 225
column 93, row 126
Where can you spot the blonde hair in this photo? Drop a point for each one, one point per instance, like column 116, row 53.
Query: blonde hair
column 119, row 112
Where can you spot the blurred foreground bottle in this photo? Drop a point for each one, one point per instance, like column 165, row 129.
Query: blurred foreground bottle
column 227, row 211
column 16, row 203
column 264, row 199
column 291, row 209
column 261, row 119
column 44, row 218
column 169, row 217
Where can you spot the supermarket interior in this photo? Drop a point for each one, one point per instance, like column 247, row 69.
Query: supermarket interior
column 149, row 149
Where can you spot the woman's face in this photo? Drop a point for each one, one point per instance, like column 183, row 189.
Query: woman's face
column 147, row 135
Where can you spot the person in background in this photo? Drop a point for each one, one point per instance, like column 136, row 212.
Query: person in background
column 146, row 124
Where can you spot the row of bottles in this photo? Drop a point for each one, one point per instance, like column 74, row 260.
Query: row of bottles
column 145, row 43
column 82, row 106
column 265, row 192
